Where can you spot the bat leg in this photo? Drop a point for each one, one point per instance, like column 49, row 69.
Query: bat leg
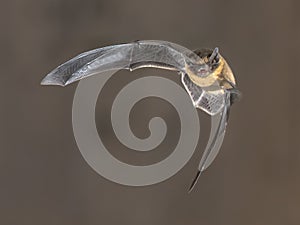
column 235, row 95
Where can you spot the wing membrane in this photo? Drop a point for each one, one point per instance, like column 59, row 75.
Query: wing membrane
column 219, row 124
column 217, row 134
column 134, row 55
column 210, row 101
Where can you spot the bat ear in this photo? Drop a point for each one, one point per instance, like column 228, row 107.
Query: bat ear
column 216, row 50
column 214, row 55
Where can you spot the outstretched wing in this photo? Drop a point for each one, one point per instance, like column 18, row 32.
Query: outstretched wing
column 158, row 54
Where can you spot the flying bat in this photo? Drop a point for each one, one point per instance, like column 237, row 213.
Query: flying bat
column 205, row 75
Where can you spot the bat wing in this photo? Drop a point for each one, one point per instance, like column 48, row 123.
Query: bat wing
column 139, row 54
column 210, row 101
column 217, row 134
column 219, row 124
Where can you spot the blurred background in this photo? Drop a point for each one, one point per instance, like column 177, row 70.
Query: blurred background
column 44, row 178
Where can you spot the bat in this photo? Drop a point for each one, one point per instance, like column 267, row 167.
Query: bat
column 205, row 75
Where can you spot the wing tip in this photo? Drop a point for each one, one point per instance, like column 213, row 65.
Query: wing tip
column 48, row 80
column 194, row 181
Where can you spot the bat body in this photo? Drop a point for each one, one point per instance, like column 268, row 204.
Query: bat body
column 205, row 75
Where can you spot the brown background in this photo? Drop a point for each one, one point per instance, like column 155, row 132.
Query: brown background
column 255, row 178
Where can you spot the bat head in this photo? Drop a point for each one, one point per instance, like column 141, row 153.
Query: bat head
column 220, row 68
column 211, row 57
